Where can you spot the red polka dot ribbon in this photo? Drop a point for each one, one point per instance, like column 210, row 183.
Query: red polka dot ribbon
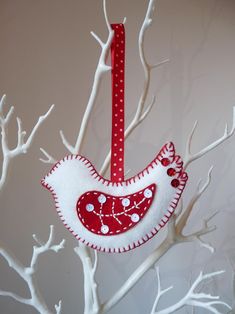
column 118, row 76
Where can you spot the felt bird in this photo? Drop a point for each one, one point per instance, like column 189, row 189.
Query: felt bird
column 116, row 216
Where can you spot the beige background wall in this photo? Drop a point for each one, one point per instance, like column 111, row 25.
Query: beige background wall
column 48, row 56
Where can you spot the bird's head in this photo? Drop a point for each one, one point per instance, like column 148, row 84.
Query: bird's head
column 72, row 173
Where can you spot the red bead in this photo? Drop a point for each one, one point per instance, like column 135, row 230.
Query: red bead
column 175, row 183
column 171, row 172
column 165, row 162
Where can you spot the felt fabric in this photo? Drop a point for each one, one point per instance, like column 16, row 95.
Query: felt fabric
column 76, row 185
column 116, row 215
column 108, row 214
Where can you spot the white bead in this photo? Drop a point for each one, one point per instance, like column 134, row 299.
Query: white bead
column 135, row 217
column 148, row 193
column 125, row 202
column 89, row 207
column 104, row 229
column 102, row 199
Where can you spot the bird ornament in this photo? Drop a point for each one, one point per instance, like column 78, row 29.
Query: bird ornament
column 119, row 214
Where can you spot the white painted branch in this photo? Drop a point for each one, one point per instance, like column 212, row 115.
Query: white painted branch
column 143, row 116
column 140, row 271
column 193, row 298
column 82, row 251
column 189, row 157
column 146, row 67
column 92, row 303
column 183, row 219
column 22, row 145
column 127, row 173
column 12, row 261
column 156, row 65
column 102, row 68
column 160, row 291
column 49, row 159
column 58, row 307
column 44, row 247
column 15, row 297
column 28, row 273
column 203, row 231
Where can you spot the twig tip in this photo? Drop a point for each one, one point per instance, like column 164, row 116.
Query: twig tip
column 210, row 170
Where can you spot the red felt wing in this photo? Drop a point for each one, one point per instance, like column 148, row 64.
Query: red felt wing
column 106, row 214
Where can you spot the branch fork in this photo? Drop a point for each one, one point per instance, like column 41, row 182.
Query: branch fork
column 27, row 273
column 22, row 145
column 193, row 298
column 190, row 157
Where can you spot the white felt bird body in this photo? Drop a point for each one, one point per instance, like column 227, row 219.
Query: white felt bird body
column 116, row 217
